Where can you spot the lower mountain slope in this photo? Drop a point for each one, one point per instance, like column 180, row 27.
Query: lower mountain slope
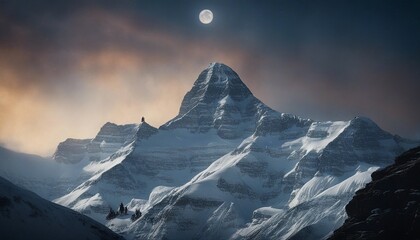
column 389, row 206
column 292, row 183
column 24, row 215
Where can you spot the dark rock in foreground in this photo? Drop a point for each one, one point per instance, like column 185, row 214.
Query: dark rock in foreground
column 389, row 206
column 24, row 215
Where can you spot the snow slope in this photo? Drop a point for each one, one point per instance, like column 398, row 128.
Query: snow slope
column 24, row 215
column 75, row 161
column 282, row 171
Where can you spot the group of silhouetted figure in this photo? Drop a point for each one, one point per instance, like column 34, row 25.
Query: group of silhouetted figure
column 122, row 211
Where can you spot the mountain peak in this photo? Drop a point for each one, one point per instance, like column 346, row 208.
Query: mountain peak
column 220, row 74
column 218, row 65
column 219, row 99
column 215, row 83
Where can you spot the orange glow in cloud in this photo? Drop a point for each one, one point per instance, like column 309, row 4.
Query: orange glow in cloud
column 44, row 104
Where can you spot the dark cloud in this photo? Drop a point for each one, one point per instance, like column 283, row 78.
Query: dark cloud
column 69, row 66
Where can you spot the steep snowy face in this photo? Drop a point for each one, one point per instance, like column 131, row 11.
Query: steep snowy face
column 24, row 215
column 335, row 147
column 364, row 140
column 156, row 158
column 109, row 171
column 109, row 139
column 219, row 99
column 294, row 183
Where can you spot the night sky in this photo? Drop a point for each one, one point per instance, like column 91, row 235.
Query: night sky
column 67, row 67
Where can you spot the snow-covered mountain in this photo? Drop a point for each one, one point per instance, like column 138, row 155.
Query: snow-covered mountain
column 228, row 166
column 52, row 179
column 24, row 215
column 215, row 116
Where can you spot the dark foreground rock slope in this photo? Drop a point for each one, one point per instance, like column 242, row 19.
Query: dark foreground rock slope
column 25, row 215
column 389, row 206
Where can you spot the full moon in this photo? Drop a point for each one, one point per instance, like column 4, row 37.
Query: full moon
column 206, row 16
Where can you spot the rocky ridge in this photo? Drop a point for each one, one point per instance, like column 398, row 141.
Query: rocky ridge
column 389, row 206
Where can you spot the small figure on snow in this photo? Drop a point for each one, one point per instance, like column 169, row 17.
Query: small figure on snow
column 111, row 214
column 121, row 208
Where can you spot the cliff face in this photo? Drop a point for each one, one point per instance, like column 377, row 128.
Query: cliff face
column 109, row 139
column 389, row 206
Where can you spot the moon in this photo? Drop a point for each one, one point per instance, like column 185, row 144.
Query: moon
column 206, row 16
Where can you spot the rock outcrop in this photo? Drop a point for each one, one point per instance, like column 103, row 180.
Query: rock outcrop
column 71, row 151
column 109, row 139
column 389, row 206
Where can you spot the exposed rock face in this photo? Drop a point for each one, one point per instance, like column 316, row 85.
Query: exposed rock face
column 71, row 150
column 109, row 139
column 389, row 206
column 220, row 100
column 361, row 139
column 24, row 215
column 144, row 131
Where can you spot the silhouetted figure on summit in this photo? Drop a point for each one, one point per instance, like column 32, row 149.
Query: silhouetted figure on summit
column 125, row 210
column 142, row 119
